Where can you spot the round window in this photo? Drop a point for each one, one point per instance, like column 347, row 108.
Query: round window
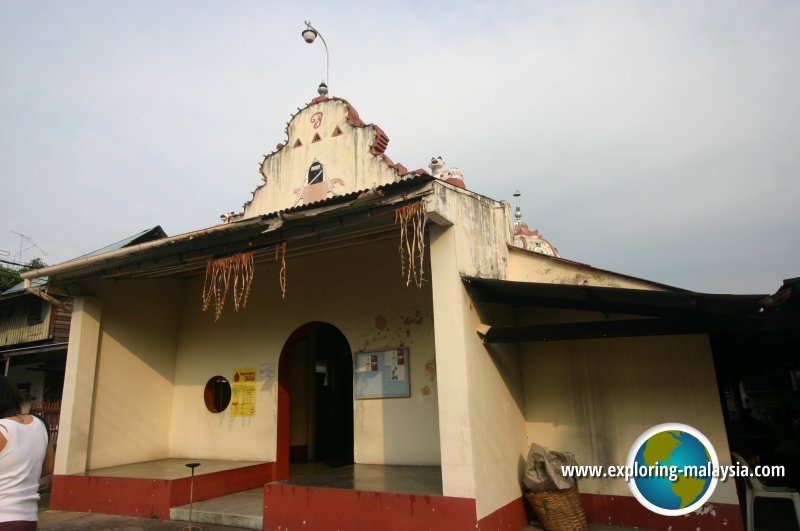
column 217, row 394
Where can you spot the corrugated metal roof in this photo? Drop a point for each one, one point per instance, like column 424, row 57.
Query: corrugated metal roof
column 19, row 288
column 419, row 178
column 155, row 233
column 245, row 232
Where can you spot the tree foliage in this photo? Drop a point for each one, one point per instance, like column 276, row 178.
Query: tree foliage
column 9, row 277
column 36, row 263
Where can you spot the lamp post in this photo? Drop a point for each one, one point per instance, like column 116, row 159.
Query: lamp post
column 310, row 34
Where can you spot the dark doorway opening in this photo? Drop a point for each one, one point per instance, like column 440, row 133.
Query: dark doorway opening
column 333, row 417
column 315, row 406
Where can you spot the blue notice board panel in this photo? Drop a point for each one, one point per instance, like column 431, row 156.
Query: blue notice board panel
column 382, row 374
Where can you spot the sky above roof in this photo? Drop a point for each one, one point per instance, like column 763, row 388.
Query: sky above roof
column 656, row 139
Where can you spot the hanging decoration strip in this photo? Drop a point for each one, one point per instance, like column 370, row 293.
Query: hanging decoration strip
column 412, row 219
column 218, row 280
column 280, row 254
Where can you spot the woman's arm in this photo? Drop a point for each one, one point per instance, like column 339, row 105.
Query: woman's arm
column 49, row 458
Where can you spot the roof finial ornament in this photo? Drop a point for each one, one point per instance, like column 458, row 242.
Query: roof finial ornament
column 518, row 210
column 322, row 90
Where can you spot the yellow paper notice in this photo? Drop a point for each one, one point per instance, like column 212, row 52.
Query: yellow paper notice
column 243, row 392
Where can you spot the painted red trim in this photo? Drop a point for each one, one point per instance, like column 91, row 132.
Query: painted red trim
column 295, row 507
column 147, row 497
column 510, row 517
column 282, row 451
column 626, row 511
column 456, row 181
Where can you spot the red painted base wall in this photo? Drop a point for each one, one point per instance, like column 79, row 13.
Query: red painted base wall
column 287, row 506
column 148, row 497
column 294, row 507
column 512, row 517
column 310, row 508
column 626, row 511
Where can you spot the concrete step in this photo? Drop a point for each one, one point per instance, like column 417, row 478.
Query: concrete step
column 242, row 509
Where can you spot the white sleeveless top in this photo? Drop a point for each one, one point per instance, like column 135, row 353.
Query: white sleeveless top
column 20, row 469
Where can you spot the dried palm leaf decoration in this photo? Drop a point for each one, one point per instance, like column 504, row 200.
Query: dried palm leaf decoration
column 218, row 280
column 412, row 219
column 280, row 254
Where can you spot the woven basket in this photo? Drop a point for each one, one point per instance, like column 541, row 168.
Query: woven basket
column 559, row 510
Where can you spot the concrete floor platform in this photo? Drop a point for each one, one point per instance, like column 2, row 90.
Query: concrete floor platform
column 75, row 521
column 169, row 469
column 422, row 480
column 242, row 509
column 245, row 509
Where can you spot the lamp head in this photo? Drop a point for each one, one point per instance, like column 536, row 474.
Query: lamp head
column 309, row 34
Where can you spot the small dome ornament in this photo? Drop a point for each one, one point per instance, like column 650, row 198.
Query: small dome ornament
column 322, row 89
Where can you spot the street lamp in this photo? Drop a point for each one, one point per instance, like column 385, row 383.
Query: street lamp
column 309, row 35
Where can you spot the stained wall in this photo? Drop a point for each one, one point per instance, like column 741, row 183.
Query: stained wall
column 358, row 290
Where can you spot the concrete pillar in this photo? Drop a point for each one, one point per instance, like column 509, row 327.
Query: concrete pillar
column 79, row 379
column 455, row 436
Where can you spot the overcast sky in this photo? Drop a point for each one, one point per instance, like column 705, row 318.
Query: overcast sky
column 657, row 139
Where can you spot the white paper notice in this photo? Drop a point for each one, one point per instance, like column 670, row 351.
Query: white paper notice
column 266, row 370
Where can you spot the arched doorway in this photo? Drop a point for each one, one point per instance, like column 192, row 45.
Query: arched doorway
column 315, row 398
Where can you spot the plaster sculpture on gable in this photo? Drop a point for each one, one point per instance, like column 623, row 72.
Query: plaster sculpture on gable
column 453, row 176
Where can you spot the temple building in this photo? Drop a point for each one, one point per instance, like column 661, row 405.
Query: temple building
column 359, row 318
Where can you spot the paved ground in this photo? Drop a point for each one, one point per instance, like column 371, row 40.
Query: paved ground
column 69, row 521
column 63, row 520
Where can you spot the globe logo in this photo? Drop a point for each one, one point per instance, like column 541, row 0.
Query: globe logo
column 673, row 468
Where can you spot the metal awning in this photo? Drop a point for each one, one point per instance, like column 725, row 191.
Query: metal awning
column 13, row 350
column 647, row 313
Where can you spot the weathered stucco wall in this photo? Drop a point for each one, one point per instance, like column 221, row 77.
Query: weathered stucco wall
column 497, row 416
column 595, row 397
column 79, row 384
column 348, row 163
column 450, row 307
column 482, row 426
column 481, row 227
column 132, row 407
column 527, row 266
column 358, row 290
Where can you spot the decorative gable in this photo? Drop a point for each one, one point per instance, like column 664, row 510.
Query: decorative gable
column 329, row 151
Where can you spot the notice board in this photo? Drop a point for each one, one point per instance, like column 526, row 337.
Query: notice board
column 382, row 374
